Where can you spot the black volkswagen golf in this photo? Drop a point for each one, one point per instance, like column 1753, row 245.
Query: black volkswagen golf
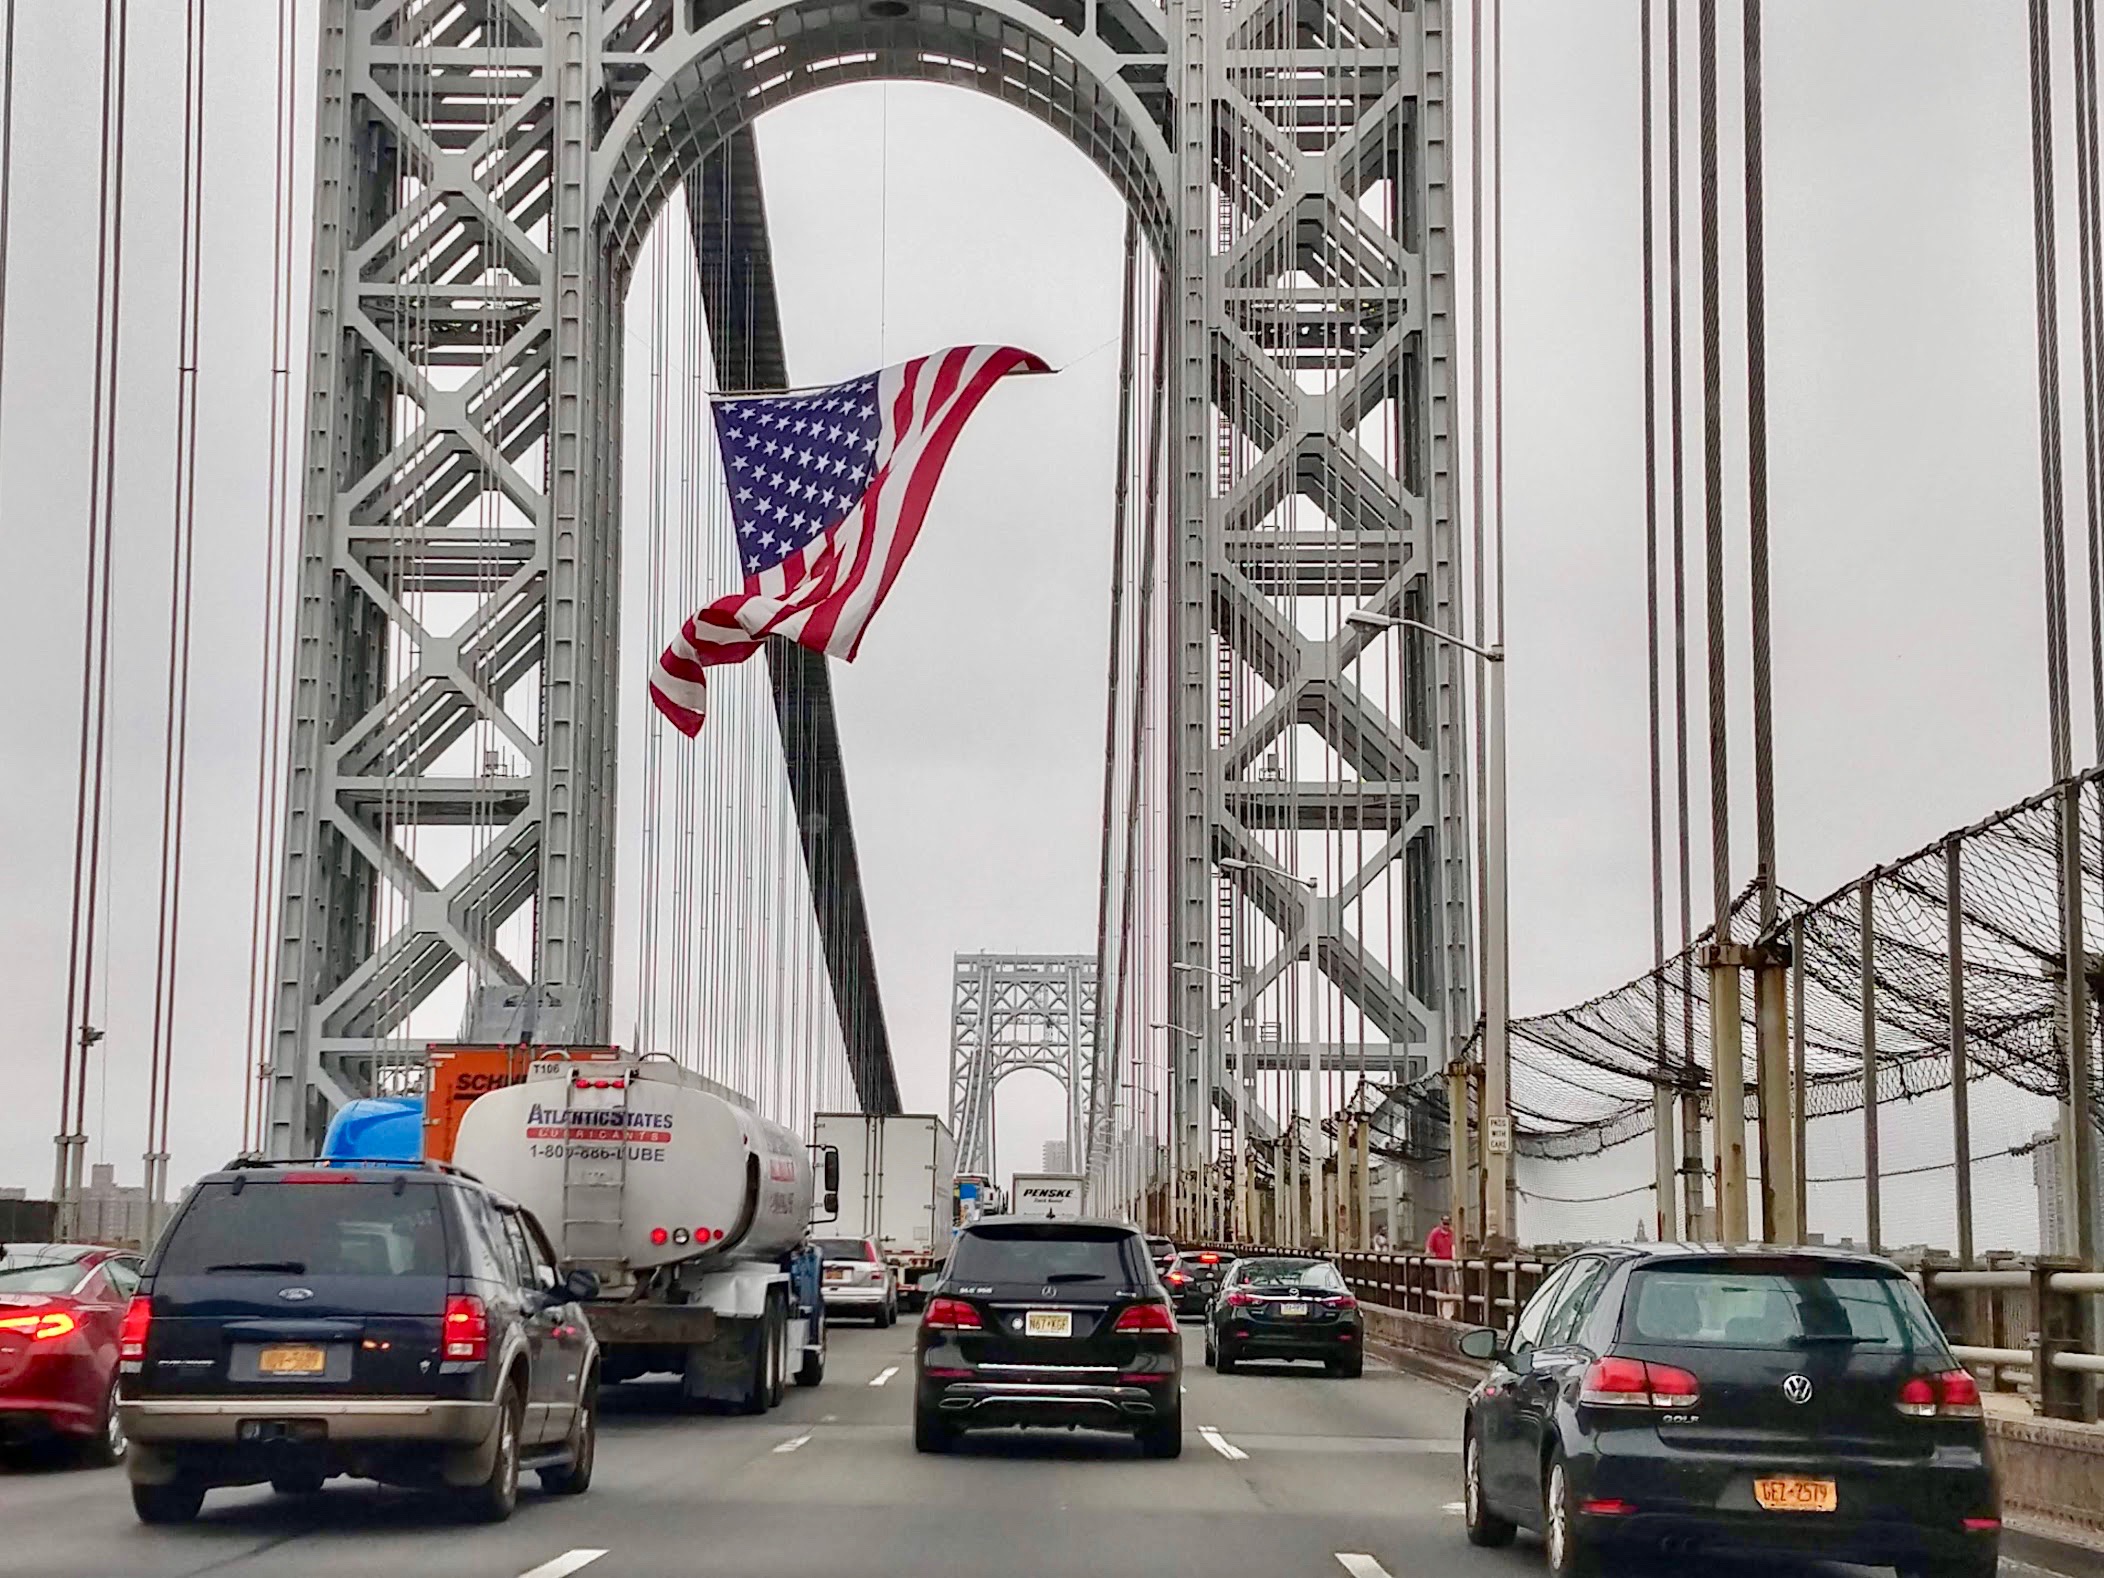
column 1678, row 1398
column 1041, row 1322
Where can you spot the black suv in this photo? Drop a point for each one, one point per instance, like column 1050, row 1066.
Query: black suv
column 1040, row 1322
column 397, row 1322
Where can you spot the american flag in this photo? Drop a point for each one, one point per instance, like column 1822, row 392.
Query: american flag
column 828, row 490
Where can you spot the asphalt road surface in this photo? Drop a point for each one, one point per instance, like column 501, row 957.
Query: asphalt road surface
column 1285, row 1473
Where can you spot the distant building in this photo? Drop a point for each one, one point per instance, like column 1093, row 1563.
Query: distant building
column 2056, row 1196
column 1055, row 1157
column 111, row 1213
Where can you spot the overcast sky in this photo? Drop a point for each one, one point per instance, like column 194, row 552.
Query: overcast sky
column 1904, row 478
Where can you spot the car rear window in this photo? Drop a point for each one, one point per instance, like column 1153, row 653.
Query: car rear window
column 48, row 1271
column 1028, row 1253
column 1292, row 1274
column 315, row 1230
column 1769, row 1306
column 844, row 1249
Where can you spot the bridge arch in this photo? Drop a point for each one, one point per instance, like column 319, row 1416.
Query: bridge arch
column 708, row 84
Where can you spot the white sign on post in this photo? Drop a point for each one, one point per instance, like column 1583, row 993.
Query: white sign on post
column 1499, row 1139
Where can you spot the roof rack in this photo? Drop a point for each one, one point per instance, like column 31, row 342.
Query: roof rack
column 248, row 1162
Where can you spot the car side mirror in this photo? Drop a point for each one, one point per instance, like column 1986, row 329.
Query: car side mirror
column 1481, row 1343
column 580, row 1285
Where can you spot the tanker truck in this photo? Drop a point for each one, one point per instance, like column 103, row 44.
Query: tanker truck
column 694, row 1211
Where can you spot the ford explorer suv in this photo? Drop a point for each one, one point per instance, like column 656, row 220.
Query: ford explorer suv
column 397, row 1322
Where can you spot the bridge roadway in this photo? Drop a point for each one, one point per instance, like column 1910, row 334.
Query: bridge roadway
column 1286, row 1474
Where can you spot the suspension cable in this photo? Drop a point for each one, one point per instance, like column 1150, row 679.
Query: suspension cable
column 1713, row 483
column 2047, row 290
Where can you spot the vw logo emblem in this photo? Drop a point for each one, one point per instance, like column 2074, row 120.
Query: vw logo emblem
column 1797, row 1389
column 295, row 1294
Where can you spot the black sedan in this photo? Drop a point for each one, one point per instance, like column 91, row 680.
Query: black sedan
column 1285, row 1307
column 1039, row 1322
column 1193, row 1277
column 1780, row 1401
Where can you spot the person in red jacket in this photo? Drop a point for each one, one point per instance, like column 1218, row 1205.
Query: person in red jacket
column 1439, row 1245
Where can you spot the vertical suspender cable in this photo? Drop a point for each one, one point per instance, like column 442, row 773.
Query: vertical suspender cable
column 1663, row 1213
column 2092, row 263
column 1691, row 1099
column 1757, row 476
column 276, row 556
column 2047, row 289
column 176, row 736
column 7, row 168
column 1713, row 484
column 95, row 640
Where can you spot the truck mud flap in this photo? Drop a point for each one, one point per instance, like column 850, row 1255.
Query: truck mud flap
column 620, row 1325
column 720, row 1370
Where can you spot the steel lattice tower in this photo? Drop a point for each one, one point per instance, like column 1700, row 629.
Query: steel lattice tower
column 1010, row 1013
column 486, row 172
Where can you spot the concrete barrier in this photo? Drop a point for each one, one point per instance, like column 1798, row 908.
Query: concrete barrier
column 2052, row 1472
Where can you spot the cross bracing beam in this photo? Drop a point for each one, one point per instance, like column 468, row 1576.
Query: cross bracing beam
column 1011, row 1013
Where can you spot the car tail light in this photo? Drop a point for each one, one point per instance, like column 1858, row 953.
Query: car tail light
column 1343, row 1301
column 1146, row 1317
column 42, row 1326
column 951, row 1315
column 1174, row 1276
column 138, row 1321
column 1209, row 1260
column 1238, row 1299
column 1954, row 1394
column 319, row 1178
column 467, row 1328
column 1616, row 1382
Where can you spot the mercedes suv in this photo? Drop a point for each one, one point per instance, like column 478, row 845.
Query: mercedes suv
column 1040, row 1322
column 396, row 1322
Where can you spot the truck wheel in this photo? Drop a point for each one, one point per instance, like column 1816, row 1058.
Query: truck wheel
column 777, row 1353
column 574, row 1478
column 753, row 1400
column 492, row 1501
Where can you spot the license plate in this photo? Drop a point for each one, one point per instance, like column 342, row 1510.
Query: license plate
column 1791, row 1494
column 1048, row 1323
column 292, row 1361
column 1293, row 1309
column 836, row 1273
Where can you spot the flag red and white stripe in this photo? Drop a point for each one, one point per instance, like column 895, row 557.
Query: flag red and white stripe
column 819, row 561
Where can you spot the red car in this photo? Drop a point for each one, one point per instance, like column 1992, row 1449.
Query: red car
column 60, row 1308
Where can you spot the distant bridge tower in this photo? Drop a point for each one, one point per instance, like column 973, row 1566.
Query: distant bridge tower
column 1010, row 1013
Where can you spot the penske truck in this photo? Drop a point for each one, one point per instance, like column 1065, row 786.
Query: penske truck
column 693, row 1209
column 895, row 1179
column 1046, row 1194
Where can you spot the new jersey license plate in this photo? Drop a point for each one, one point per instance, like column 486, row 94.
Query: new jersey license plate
column 1048, row 1323
column 1789, row 1493
column 1293, row 1309
column 292, row 1361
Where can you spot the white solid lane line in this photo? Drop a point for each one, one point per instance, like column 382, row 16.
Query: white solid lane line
column 884, row 1375
column 1221, row 1444
column 1360, row 1565
column 794, row 1442
column 564, row 1564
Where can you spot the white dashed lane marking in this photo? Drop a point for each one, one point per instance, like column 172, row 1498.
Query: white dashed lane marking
column 794, row 1442
column 1221, row 1444
column 1360, row 1565
column 884, row 1375
column 564, row 1564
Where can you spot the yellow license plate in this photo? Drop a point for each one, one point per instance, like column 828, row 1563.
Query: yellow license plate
column 1790, row 1494
column 1049, row 1323
column 292, row 1361
column 836, row 1273
column 1293, row 1309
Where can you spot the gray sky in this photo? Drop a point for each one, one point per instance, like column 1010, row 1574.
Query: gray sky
column 1904, row 476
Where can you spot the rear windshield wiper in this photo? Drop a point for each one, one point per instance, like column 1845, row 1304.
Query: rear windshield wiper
column 1077, row 1276
column 1839, row 1339
column 292, row 1268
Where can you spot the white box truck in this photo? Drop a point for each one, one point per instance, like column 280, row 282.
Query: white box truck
column 895, row 1179
column 1046, row 1194
column 694, row 1210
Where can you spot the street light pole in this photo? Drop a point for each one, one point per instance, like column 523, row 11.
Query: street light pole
column 1497, row 975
